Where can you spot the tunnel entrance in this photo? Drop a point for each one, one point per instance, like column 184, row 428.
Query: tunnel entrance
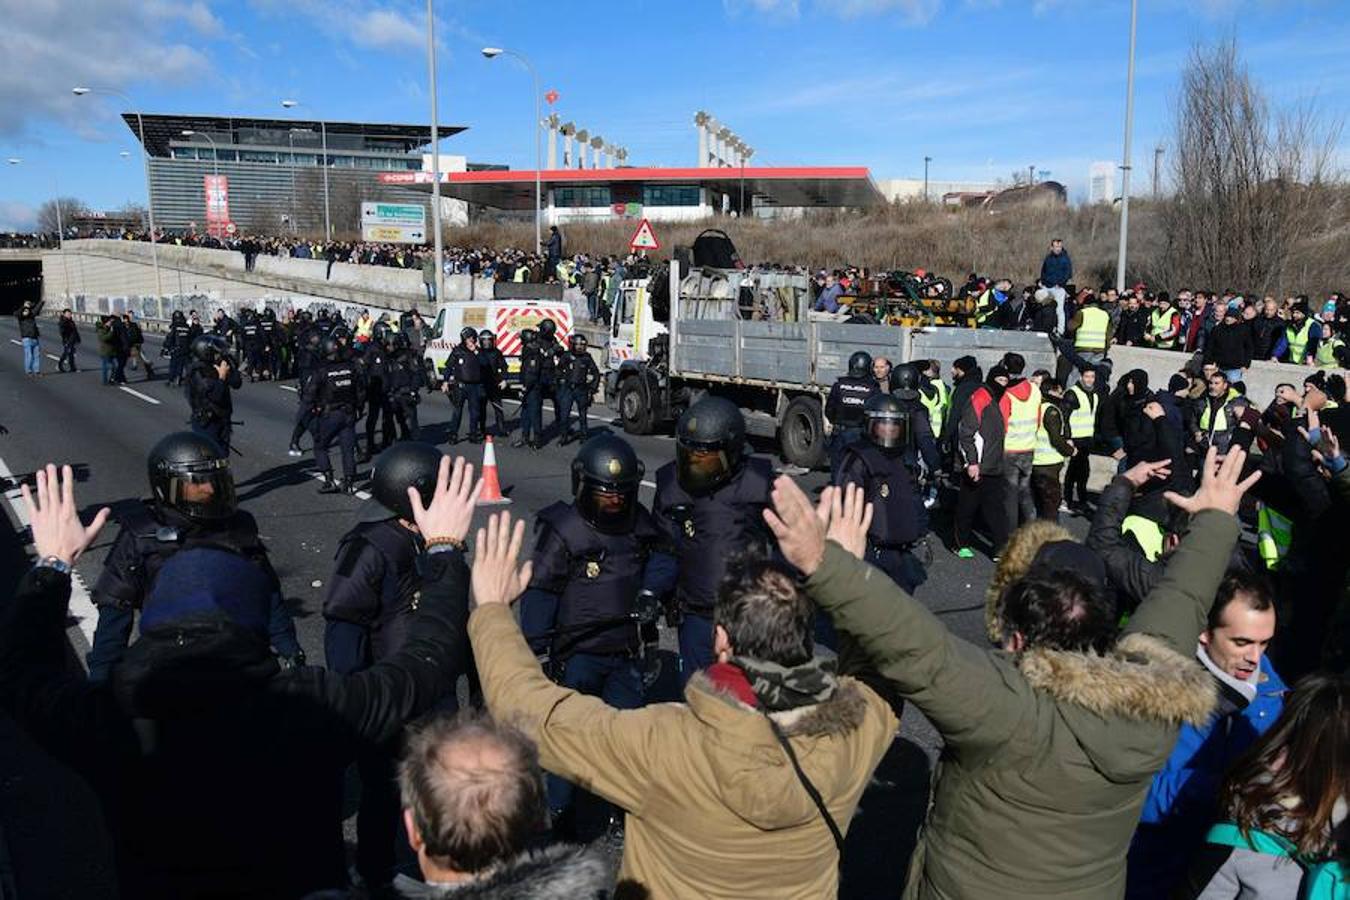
column 20, row 281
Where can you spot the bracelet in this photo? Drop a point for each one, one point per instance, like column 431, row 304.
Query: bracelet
column 54, row 563
column 455, row 543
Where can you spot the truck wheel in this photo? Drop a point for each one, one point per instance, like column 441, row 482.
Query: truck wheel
column 801, row 434
column 634, row 412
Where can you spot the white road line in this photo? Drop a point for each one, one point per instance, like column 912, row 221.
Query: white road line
column 593, row 416
column 287, row 387
column 53, row 357
column 81, row 606
column 136, row 393
column 649, row 484
column 360, row 495
column 16, row 343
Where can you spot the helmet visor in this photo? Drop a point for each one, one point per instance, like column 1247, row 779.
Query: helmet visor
column 611, row 510
column 701, row 469
column 203, row 491
column 889, row 431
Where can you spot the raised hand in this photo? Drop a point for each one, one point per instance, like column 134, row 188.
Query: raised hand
column 1221, row 484
column 1140, row 473
column 54, row 518
column 799, row 527
column 850, row 517
column 450, row 510
column 496, row 577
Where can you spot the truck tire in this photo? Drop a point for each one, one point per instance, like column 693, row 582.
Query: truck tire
column 634, row 411
column 801, row 434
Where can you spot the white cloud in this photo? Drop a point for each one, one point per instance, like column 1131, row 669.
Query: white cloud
column 913, row 12
column 361, row 23
column 49, row 47
column 17, row 216
column 385, row 28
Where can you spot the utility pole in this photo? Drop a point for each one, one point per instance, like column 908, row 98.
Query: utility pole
column 1157, row 169
column 1031, row 174
column 1125, row 160
column 435, row 153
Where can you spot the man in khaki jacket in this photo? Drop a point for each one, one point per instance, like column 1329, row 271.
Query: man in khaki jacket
column 715, row 806
column 1052, row 740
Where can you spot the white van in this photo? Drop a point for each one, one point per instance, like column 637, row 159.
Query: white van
column 513, row 308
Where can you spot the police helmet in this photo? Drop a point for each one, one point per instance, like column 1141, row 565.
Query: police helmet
column 606, row 475
column 404, row 465
column 379, row 333
column 324, row 315
column 314, row 340
column 333, row 347
column 547, row 328
column 578, row 343
column 709, row 445
column 528, row 335
column 860, row 364
column 306, row 316
column 905, row 382
column 467, row 334
column 399, row 341
column 247, row 315
column 178, row 318
column 886, row 423
column 190, row 473
column 268, row 314
column 342, row 334
column 486, row 338
column 209, row 348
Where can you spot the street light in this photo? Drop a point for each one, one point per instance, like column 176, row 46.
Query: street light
column 323, row 130
column 60, row 226
column 435, row 153
column 1125, row 161
column 149, row 190
column 290, row 139
column 493, row 53
column 215, row 155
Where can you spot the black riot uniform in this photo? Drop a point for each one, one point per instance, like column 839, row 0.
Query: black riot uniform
column 921, row 452
column 334, row 394
column 208, row 393
column 844, row 406
column 371, row 600
column 710, row 502
column 405, row 378
column 375, row 368
column 578, row 380
column 550, row 362
column 495, row 370
column 308, row 357
column 531, row 407
column 250, row 342
column 593, row 559
column 177, row 346
column 462, row 375
column 224, row 326
column 876, row 464
column 271, row 336
column 192, row 507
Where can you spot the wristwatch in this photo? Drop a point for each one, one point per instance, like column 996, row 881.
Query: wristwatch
column 54, row 562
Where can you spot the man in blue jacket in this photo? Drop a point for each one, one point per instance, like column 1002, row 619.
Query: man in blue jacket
column 1056, row 273
column 1182, row 802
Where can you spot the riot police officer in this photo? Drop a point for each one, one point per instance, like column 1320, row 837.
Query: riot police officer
column 177, row 347
column 250, row 342
column 710, row 502
column 214, row 375
column 531, row 407
column 550, row 361
column 192, row 506
column 308, row 357
column 876, row 463
column 333, row 394
column 406, row 377
column 462, row 377
column 224, row 326
column 592, row 560
column 270, row 340
column 844, row 406
column 494, row 380
column 921, row 453
column 375, row 368
column 578, row 380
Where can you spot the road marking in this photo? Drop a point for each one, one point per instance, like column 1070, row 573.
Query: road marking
column 81, row 606
column 287, row 387
column 16, row 343
column 649, row 484
column 360, row 495
column 606, row 419
column 53, row 357
column 136, row 393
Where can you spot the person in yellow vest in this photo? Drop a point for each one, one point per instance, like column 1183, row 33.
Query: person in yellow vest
column 1164, row 324
column 1329, row 348
column 1080, row 403
column 1219, row 415
column 1092, row 331
column 934, row 394
column 1022, row 402
column 1054, row 446
column 1302, row 334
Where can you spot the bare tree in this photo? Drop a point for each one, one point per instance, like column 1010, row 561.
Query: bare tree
column 1247, row 177
column 47, row 219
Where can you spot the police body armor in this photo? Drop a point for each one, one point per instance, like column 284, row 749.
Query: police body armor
column 339, row 389
column 204, row 412
column 889, row 485
column 156, row 534
column 179, row 339
column 605, row 574
column 550, row 352
column 853, row 394
column 710, row 529
column 531, row 366
column 400, row 591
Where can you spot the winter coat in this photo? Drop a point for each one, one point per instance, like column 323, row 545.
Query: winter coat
column 559, row 872
column 1056, row 269
column 1128, row 570
column 714, row 807
column 70, row 334
column 221, row 774
column 1230, row 345
column 1049, row 754
column 28, row 326
column 962, row 390
column 983, row 426
column 107, row 340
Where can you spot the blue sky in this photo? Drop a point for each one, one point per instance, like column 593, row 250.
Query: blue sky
column 982, row 86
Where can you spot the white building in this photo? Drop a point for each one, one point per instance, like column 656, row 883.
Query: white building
column 1102, row 182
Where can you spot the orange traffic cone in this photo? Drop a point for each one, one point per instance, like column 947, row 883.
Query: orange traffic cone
column 491, row 495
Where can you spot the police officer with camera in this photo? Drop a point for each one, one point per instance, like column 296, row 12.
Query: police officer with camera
column 578, row 380
column 333, row 395
column 213, row 377
column 462, row 377
column 877, row 465
column 844, row 405
column 599, row 566
column 192, row 506
column 710, row 502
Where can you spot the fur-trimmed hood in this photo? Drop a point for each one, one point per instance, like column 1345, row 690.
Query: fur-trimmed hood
column 753, row 773
column 1142, row 679
column 560, row 872
column 1016, row 560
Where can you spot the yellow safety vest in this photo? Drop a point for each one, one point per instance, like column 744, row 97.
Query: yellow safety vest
column 1024, row 417
column 935, row 405
column 1220, row 416
column 1274, row 534
column 985, row 307
column 1326, row 351
column 1083, row 420
column 1159, row 323
column 1298, row 341
column 521, row 273
column 1091, row 335
column 1147, row 532
column 1046, row 454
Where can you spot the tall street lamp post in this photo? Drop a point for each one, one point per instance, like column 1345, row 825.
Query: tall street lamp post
column 493, row 53
column 323, row 133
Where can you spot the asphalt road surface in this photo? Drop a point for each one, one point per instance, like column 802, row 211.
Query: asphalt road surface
column 106, row 432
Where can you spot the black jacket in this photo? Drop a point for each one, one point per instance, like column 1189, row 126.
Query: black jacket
column 1129, row 572
column 961, row 391
column 28, row 327
column 220, row 774
column 1230, row 346
column 211, row 396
